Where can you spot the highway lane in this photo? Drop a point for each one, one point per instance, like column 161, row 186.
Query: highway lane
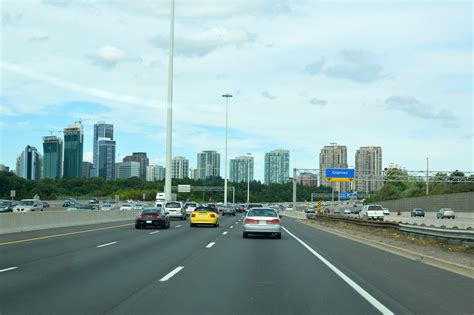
column 220, row 272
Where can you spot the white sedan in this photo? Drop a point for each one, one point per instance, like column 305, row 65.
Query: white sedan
column 126, row 206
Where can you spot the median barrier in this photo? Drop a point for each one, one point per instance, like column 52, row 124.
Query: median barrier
column 31, row 221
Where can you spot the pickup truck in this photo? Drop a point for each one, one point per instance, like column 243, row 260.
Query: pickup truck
column 372, row 212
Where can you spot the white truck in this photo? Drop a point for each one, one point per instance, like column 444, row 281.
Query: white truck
column 161, row 199
column 372, row 212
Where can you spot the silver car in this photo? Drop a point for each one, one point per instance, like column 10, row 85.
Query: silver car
column 262, row 221
column 445, row 213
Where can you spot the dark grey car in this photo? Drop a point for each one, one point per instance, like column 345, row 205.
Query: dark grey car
column 228, row 210
column 417, row 212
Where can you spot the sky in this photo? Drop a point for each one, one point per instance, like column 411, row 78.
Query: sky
column 303, row 74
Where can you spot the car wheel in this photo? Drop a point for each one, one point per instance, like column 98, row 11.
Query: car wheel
column 454, row 218
column 234, row 214
column 245, row 235
column 137, row 226
column 223, row 214
column 216, row 225
column 168, row 225
column 278, row 236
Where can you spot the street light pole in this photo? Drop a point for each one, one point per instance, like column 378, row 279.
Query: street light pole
column 169, row 119
column 225, row 154
column 248, row 177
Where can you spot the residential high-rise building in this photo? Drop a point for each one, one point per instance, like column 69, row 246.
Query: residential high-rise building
column 141, row 158
column 333, row 156
column 128, row 169
column 155, row 173
column 180, row 167
column 241, row 168
column 52, row 157
column 277, row 166
column 193, row 173
column 28, row 164
column 307, row 179
column 368, row 168
column 4, row 168
column 87, row 169
column 103, row 131
column 208, row 164
column 73, row 150
column 105, row 166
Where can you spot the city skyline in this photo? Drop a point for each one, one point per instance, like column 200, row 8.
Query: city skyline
column 408, row 93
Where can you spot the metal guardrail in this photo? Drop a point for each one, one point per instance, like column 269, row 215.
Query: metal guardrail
column 449, row 233
column 462, row 235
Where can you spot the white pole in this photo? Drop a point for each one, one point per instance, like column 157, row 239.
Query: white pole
column 225, row 153
column 248, row 178
column 427, row 176
column 169, row 120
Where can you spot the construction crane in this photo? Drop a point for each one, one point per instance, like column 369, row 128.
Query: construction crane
column 80, row 120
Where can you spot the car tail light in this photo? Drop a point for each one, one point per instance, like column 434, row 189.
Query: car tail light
column 193, row 215
column 250, row 221
column 213, row 215
column 273, row 221
column 139, row 217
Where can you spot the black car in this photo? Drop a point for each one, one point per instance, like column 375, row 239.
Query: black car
column 45, row 204
column 152, row 217
column 417, row 212
column 7, row 205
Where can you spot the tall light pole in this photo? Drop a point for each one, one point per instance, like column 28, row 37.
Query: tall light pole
column 248, row 177
column 225, row 154
column 169, row 119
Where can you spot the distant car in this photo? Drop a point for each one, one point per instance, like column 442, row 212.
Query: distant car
column 46, row 204
column 138, row 206
column 27, row 205
column 126, row 206
column 289, row 207
column 228, row 210
column 445, row 213
column 204, row 215
column 253, row 205
column 347, row 211
column 190, row 206
column 417, row 212
column 80, row 206
column 106, row 207
column 310, row 210
column 372, row 212
column 175, row 209
column 152, row 217
column 69, row 202
column 6, row 206
column 93, row 201
column 262, row 221
column 386, row 211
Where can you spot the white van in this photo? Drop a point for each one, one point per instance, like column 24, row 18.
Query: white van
column 175, row 209
column 29, row 205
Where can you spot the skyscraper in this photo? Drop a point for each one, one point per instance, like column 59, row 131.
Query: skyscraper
column 53, row 157
column 333, row 156
column 239, row 167
column 193, row 173
column 73, row 150
column 208, row 164
column 141, row 158
column 28, row 164
column 155, row 173
column 103, row 131
column 106, row 159
column 87, row 169
column 180, row 167
column 128, row 169
column 368, row 167
column 277, row 166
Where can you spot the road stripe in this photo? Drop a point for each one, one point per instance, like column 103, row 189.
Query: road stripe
column 179, row 226
column 63, row 234
column 224, row 233
column 8, row 269
column 171, row 274
column 154, row 232
column 210, row 244
column 231, row 226
column 108, row 244
column 369, row 298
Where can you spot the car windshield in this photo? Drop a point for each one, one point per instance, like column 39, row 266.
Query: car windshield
column 27, row 202
column 4, row 203
column 262, row 213
column 126, row 205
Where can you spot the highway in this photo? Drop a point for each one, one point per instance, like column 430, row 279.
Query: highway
column 116, row 269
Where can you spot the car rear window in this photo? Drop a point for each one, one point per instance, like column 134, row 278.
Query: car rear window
column 173, row 205
column 262, row 213
column 26, row 202
column 205, row 209
column 150, row 212
column 191, row 204
column 255, row 205
column 375, row 208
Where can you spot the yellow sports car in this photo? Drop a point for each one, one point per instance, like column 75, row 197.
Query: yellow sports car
column 204, row 215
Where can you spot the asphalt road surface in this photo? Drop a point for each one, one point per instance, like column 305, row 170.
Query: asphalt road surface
column 116, row 269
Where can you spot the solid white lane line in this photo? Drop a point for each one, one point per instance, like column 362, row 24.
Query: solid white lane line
column 171, row 274
column 224, row 233
column 155, row 232
column 103, row 245
column 369, row 298
column 8, row 269
column 179, row 226
column 210, row 244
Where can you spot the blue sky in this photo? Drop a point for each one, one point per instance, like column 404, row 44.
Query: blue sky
column 397, row 74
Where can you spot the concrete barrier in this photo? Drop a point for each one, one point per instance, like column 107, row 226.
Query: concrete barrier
column 31, row 221
column 294, row 214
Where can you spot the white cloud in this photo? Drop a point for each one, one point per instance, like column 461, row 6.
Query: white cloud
column 108, row 56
